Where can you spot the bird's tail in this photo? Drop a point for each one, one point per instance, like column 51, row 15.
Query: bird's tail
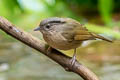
column 101, row 37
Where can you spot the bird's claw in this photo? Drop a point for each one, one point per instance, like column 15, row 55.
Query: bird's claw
column 73, row 60
column 49, row 50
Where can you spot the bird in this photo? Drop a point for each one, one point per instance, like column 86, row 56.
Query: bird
column 65, row 34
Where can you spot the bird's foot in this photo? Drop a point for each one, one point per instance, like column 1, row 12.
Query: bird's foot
column 73, row 60
column 49, row 50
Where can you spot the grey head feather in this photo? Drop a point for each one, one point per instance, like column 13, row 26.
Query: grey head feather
column 52, row 20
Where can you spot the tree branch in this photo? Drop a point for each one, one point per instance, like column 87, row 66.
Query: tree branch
column 40, row 46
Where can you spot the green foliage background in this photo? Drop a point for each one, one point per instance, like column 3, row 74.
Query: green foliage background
column 96, row 14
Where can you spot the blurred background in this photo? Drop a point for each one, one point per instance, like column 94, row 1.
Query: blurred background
column 20, row 62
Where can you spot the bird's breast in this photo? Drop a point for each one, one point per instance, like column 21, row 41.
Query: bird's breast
column 56, row 40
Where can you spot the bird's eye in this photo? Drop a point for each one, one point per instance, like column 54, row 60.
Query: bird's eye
column 47, row 26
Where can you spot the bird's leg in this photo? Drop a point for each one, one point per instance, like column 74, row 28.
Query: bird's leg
column 73, row 58
column 49, row 49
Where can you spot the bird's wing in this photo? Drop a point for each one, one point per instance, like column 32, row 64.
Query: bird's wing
column 78, row 34
column 81, row 33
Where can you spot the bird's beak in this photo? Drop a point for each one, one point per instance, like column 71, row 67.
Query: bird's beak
column 37, row 29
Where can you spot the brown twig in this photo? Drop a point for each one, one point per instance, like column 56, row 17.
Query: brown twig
column 40, row 46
